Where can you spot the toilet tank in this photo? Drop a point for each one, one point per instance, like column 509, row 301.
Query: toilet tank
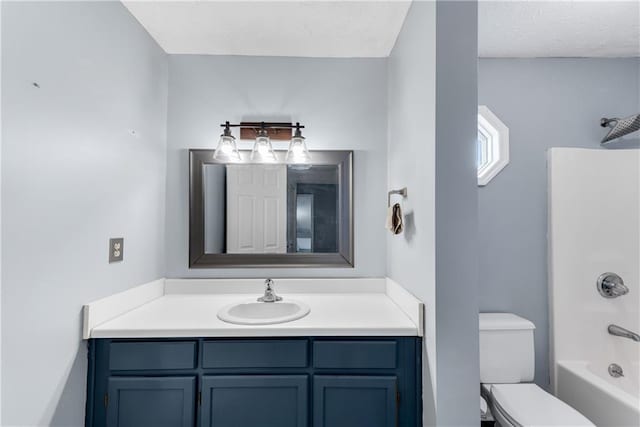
column 506, row 348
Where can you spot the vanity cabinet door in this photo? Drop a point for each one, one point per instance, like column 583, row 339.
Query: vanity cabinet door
column 151, row 401
column 254, row 400
column 354, row 401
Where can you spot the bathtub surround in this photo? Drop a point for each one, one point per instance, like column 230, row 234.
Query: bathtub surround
column 552, row 102
column 581, row 347
column 432, row 126
column 343, row 105
column 71, row 178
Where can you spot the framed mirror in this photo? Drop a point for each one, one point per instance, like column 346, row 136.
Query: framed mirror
column 271, row 214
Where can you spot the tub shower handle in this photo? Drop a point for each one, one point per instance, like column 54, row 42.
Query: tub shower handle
column 619, row 331
column 610, row 285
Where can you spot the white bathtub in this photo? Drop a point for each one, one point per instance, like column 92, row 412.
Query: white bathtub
column 606, row 401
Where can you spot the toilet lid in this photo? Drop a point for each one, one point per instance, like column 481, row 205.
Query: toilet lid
column 530, row 406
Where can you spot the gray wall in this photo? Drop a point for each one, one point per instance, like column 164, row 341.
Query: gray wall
column 0, row 220
column 411, row 164
column 456, row 205
column 73, row 176
column 342, row 102
column 432, row 149
column 545, row 103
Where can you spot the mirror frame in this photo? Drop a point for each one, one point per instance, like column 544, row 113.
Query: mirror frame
column 198, row 258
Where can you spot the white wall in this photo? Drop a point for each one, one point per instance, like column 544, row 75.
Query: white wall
column 73, row 176
column 342, row 103
column 411, row 164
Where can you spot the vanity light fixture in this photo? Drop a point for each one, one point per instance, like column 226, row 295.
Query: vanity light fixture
column 262, row 152
column 262, row 149
column 298, row 152
column 227, row 150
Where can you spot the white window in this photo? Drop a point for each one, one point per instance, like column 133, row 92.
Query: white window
column 493, row 145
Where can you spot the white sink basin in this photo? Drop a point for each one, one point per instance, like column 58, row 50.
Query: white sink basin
column 263, row 313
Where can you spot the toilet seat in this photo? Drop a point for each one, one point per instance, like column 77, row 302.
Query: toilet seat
column 527, row 405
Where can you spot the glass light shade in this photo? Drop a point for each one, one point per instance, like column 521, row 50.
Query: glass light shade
column 227, row 151
column 298, row 152
column 262, row 149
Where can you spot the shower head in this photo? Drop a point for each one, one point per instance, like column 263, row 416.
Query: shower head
column 620, row 127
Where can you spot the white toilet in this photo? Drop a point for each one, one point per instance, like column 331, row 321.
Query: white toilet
column 507, row 364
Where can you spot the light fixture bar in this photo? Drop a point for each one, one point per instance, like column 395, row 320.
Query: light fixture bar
column 265, row 125
column 277, row 131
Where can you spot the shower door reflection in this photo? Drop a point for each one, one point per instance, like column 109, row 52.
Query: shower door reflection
column 304, row 223
column 314, row 209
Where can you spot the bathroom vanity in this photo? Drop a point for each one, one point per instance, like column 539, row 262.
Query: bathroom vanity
column 320, row 381
column 160, row 356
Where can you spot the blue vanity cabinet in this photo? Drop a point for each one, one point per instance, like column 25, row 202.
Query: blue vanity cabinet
column 355, row 401
column 255, row 382
column 254, row 400
column 151, row 401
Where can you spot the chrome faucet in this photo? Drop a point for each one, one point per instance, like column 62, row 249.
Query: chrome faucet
column 622, row 332
column 610, row 285
column 269, row 292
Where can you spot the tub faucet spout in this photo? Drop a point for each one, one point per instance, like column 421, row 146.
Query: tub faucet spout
column 619, row 331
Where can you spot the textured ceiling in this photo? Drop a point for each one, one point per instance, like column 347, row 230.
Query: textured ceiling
column 293, row 28
column 316, row 28
column 559, row 28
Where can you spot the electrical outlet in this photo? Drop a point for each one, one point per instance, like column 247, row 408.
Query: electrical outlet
column 116, row 249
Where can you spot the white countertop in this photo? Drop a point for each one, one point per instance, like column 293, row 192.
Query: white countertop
column 188, row 308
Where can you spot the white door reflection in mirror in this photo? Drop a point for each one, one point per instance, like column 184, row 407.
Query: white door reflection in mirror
column 256, row 209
